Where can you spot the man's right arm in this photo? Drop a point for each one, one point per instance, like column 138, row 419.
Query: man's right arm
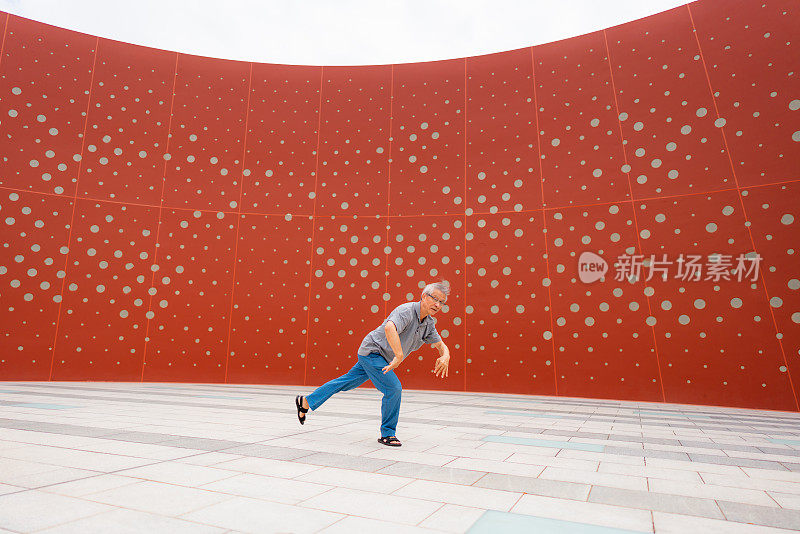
column 394, row 342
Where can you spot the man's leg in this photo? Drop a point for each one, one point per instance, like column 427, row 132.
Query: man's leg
column 350, row 380
column 390, row 386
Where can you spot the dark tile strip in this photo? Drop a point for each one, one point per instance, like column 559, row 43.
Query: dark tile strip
column 659, row 502
column 761, row 515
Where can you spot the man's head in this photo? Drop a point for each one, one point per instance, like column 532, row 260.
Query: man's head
column 434, row 296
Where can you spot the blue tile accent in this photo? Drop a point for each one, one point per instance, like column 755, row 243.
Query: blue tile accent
column 219, row 397
column 42, row 406
column 492, row 522
column 591, row 447
column 784, row 441
column 525, row 414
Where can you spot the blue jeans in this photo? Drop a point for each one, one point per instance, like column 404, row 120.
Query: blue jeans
column 368, row 368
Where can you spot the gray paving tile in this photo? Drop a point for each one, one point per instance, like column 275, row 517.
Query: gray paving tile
column 774, row 450
column 202, row 444
column 141, row 437
column 535, row 486
column 344, row 462
column 717, row 446
column 660, row 502
column 646, row 453
column 55, row 428
column 761, row 515
column 268, row 451
column 645, row 439
column 791, row 466
column 436, row 474
column 495, row 427
column 741, row 462
column 170, row 402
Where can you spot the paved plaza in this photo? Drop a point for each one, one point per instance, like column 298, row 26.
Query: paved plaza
column 131, row 457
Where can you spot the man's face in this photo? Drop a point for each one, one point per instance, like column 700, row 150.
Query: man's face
column 434, row 301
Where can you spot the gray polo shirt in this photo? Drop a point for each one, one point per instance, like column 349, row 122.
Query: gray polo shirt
column 411, row 331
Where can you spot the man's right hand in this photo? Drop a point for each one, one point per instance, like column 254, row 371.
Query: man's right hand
column 393, row 365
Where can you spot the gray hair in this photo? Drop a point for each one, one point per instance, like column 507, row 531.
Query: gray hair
column 443, row 286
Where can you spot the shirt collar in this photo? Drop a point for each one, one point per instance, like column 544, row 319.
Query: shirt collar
column 416, row 307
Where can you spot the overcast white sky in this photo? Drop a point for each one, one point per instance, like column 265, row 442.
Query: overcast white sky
column 336, row 32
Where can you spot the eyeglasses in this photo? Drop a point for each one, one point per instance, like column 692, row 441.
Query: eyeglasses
column 437, row 301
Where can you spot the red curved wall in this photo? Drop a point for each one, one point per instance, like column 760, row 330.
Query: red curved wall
column 167, row 217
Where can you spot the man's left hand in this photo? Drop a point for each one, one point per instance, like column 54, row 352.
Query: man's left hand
column 392, row 365
column 440, row 369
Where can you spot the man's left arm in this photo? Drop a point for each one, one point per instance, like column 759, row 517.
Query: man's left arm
column 443, row 361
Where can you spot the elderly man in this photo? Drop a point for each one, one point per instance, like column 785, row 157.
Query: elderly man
column 404, row 331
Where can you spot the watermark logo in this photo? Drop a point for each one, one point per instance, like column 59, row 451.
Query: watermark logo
column 591, row 267
column 686, row 267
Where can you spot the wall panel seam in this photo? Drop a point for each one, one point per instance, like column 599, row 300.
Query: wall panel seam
column 633, row 210
column 313, row 226
column 160, row 211
column 238, row 221
column 744, row 210
column 74, row 207
column 544, row 223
